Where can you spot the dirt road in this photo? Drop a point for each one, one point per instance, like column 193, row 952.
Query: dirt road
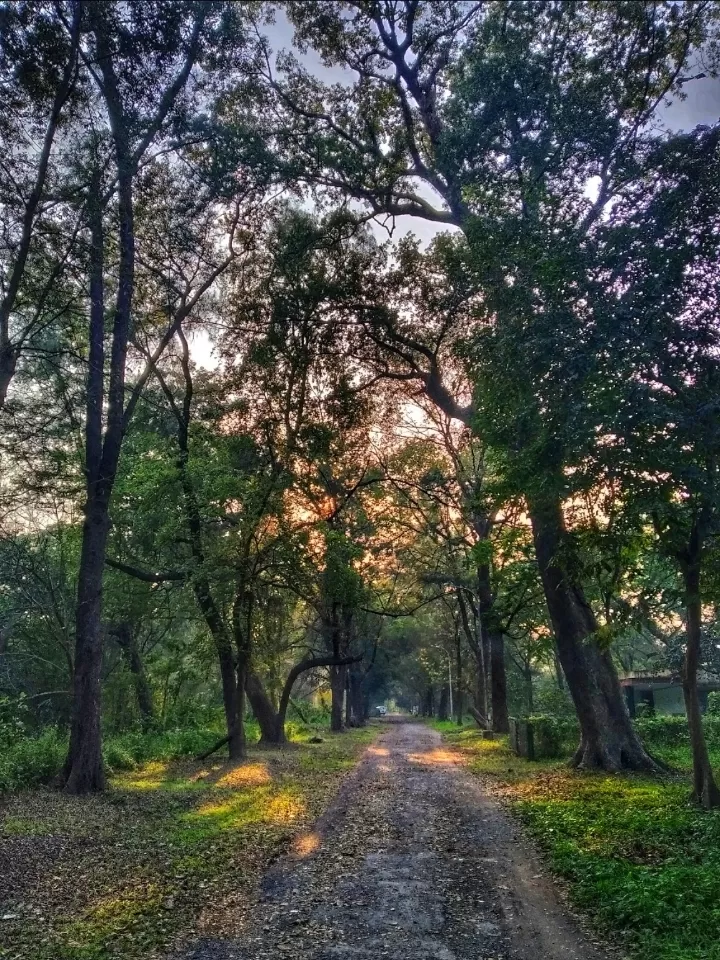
column 412, row 862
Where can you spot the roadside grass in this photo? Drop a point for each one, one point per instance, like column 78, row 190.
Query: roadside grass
column 172, row 850
column 638, row 857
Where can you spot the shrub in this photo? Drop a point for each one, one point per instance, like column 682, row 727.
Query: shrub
column 29, row 761
column 554, row 736
column 713, row 706
column 551, row 701
column 672, row 731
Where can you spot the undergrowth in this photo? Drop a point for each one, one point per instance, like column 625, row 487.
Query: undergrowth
column 637, row 854
column 32, row 759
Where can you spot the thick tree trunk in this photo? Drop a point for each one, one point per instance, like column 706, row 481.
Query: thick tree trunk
column 498, row 683
column 348, row 700
column 355, row 701
column 608, row 739
column 337, row 689
column 705, row 790
column 83, row 772
column 494, row 648
column 229, row 680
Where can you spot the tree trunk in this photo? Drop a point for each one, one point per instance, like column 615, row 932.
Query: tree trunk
column 83, row 771
column 705, row 790
column 458, row 680
column 348, row 700
column 262, row 708
column 608, row 740
column 493, row 641
column 355, row 702
column 229, row 678
column 337, row 690
column 527, row 676
column 311, row 663
column 443, row 704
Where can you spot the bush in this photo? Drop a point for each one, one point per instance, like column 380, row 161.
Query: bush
column 126, row 750
column 554, row 736
column 30, row 761
column 713, row 706
column 672, row 731
column 551, row 701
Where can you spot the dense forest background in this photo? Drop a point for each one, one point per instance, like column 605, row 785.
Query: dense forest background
column 268, row 455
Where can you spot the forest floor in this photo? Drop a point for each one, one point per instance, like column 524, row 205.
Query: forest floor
column 173, row 851
column 412, row 861
column 413, row 853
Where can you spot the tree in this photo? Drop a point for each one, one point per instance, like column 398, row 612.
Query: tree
column 39, row 67
column 507, row 113
column 663, row 442
column 140, row 61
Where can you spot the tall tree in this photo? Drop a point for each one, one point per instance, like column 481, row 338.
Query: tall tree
column 509, row 114
column 140, row 59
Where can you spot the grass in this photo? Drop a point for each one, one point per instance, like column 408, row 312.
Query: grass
column 172, row 850
column 638, row 856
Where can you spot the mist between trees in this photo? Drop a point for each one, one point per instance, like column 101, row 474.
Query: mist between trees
column 482, row 468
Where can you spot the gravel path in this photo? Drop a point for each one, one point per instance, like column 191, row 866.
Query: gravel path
column 412, row 862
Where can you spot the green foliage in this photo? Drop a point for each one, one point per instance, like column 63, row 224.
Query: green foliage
column 552, row 701
column 713, row 704
column 28, row 761
column 31, row 760
column 672, row 731
column 554, row 736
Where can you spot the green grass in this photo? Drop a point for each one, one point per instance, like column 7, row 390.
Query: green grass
column 638, row 856
column 173, row 849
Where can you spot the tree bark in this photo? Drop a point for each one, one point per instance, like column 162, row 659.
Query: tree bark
column 83, row 771
column 357, row 695
column 229, row 680
column 310, row 663
column 459, row 685
column 494, row 647
column 705, row 790
column 443, row 704
column 608, row 740
column 338, row 683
